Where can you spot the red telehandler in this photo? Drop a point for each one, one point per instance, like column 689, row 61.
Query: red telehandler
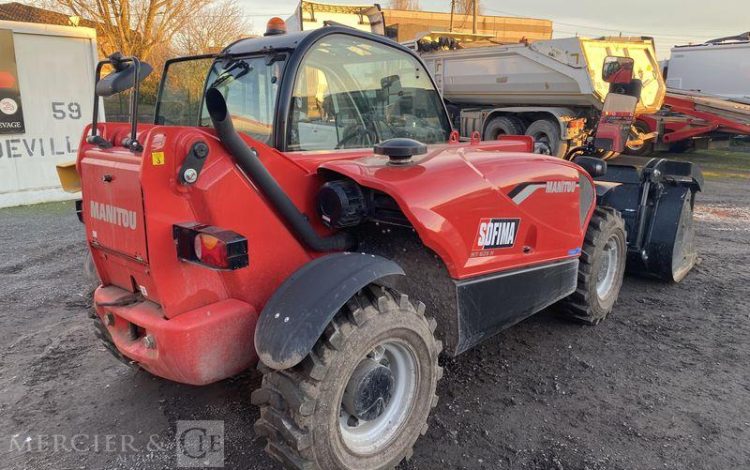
column 302, row 202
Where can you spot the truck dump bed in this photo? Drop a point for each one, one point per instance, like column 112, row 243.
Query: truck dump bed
column 558, row 72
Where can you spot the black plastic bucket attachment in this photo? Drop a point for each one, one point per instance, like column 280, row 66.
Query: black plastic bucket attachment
column 669, row 251
column 656, row 198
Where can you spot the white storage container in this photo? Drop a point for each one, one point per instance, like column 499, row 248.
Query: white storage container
column 54, row 73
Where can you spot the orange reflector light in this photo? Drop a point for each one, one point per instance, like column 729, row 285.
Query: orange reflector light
column 275, row 26
column 210, row 250
column 210, row 246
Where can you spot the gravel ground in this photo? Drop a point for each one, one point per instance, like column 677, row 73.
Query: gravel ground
column 664, row 383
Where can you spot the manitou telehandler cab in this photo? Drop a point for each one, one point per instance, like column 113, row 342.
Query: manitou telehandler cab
column 302, row 203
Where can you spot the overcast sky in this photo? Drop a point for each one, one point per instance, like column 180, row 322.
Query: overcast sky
column 670, row 22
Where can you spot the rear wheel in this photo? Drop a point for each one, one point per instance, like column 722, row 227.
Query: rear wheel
column 362, row 396
column 503, row 125
column 601, row 269
column 547, row 140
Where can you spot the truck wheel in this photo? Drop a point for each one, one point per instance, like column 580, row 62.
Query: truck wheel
column 601, row 269
column 361, row 398
column 646, row 148
column 502, row 125
column 547, row 139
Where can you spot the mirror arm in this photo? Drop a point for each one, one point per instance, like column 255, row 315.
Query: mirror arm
column 94, row 138
column 130, row 142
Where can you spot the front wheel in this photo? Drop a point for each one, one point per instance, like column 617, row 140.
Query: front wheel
column 601, row 269
column 362, row 397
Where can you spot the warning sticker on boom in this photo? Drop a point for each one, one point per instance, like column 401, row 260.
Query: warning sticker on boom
column 494, row 234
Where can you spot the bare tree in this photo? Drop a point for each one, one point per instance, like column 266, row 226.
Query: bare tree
column 412, row 5
column 136, row 27
column 466, row 7
column 216, row 26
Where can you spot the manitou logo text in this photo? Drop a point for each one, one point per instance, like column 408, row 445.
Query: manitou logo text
column 113, row 215
column 561, row 186
column 496, row 233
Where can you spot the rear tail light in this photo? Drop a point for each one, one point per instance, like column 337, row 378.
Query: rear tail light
column 210, row 246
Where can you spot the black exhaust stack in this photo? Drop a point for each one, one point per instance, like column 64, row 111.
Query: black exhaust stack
column 247, row 159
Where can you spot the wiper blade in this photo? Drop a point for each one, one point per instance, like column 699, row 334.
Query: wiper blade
column 236, row 69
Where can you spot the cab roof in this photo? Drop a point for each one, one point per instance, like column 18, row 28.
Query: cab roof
column 276, row 42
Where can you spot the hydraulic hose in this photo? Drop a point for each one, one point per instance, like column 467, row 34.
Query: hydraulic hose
column 247, row 159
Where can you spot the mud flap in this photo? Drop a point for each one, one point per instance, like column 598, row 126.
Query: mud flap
column 301, row 308
column 656, row 198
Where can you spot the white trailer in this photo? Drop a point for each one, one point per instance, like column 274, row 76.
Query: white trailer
column 313, row 15
column 51, row 69
column 720, row 67
column 551, row 90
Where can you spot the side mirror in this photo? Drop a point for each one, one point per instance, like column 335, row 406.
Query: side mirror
column 592, row 165
column 391, row 83
column 618, row 69
column 122, row 77
column 128, row 73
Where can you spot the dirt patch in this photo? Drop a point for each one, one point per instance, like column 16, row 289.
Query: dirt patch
column 727, row 216
column 662, row 384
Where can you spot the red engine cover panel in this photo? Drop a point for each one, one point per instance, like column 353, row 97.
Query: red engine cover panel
column 530, row 203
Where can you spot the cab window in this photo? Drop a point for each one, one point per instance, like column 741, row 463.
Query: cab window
column 352, row 93
column 249, row 87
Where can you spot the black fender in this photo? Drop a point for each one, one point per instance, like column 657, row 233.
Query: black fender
column 298, row 312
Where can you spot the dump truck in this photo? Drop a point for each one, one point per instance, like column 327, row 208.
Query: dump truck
column 719, row 67
column 551, row 90
column 311, row 210
column 309, row 15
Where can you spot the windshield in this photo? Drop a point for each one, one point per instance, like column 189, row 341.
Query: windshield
column 249, row 87
column 352, row 92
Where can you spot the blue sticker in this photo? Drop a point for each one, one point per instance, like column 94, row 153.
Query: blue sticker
column 574, row 251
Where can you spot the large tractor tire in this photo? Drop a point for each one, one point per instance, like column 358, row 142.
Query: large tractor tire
column 601, row 269
column 361, row 398
column 547, row 139
column 502, row 125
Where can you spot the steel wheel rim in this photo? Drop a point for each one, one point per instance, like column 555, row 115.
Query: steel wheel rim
column 542, row 144
column 605, row 277
column 370, row 437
